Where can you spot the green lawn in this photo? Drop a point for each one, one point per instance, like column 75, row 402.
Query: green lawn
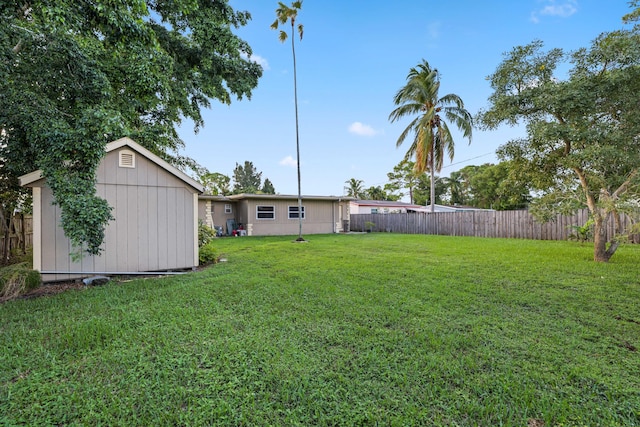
column 369, row 329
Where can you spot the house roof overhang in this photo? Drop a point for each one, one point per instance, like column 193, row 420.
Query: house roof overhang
column 247, row 196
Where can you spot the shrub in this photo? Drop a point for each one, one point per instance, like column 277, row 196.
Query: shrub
column 582, row 233
column 205, row 233
column 207, row 254
column 18, row 279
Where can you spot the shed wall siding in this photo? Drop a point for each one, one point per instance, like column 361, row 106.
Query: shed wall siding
column 153, row 228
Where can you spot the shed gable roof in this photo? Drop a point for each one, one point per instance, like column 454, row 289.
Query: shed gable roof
column 128, row 142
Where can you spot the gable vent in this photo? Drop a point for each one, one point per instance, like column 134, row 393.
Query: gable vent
column 127, row 159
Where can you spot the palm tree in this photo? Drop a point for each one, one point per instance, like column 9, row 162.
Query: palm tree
column 286, row 14
column 431, row 132
column 455, row 185
column 354, row 188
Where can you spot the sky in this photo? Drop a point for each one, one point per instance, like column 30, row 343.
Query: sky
column 353, row 58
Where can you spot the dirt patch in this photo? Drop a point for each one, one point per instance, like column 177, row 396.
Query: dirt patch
column 48, row 289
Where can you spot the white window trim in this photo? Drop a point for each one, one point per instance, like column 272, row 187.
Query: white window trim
column 228, row 209
column 273, row 212
column 296, row 208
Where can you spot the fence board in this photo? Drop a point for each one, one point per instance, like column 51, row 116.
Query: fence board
column 20, row 235
column 505, row 224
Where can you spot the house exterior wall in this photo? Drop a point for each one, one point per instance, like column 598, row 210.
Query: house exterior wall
column 320, row 217
column 153, row 229
column 381, row 207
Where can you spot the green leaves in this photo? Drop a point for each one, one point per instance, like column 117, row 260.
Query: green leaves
column 76, row 75
column 582, row 132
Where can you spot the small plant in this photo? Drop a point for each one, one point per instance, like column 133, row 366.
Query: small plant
column 207, row 254
column 582, row 233
column 205, row 233
column 369, row 226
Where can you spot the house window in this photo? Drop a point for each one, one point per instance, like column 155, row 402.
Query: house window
column 265, row 212
column 374, row 210
column 293, row 212
column 126, row 159
column 227, row 209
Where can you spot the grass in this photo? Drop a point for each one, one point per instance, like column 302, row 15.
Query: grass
column 371, row 329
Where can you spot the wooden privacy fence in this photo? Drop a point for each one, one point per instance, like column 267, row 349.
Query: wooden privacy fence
column 506, row 224
column 18, row 235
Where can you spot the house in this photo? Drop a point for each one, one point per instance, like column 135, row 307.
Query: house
column 155, row 229
column 380, row 206
column 274, row 214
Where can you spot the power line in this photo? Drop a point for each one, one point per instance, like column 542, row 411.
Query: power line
column 444, row 167
column 464, row 161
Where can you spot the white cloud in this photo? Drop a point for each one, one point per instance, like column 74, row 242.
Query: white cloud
column 260, row 60
column 289, row 161
column 554, row 8
column 257, row 59
column 361, row 129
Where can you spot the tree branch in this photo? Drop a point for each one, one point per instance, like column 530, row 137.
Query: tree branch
column 623, row 187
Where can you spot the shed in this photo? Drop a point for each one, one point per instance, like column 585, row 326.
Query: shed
column 155, row 229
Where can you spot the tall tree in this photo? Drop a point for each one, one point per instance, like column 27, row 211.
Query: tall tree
column 496, row 186
column 582, row 146
column 267, row 187
column 214, row 183
column 422, row 191
column 402, row 177
column 246, row 179
column 76, row 75
column 432, row 137
column 455, row 188
column 286, row 14
column 355, row 188
column 378, row 193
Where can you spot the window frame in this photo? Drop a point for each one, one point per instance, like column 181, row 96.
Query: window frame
column 228, row 209
column 296, row 212
column 272, row 211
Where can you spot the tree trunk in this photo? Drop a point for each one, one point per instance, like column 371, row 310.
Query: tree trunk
column 600, row 251
column 432, row 195
column 599, row 241
column 295, row 98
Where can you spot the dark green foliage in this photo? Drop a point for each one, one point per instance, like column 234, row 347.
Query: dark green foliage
column 246, row 179
column 582, row 147
column 402, row 178
column 422, row 190
column 490, row 186
column 214, row 183
column 205, row 233
column 208, row 254
column 267, row 187
column 378, row 193
column 77, row 75
column 355, row 188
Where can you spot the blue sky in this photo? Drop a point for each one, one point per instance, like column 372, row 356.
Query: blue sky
column 353, row 58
